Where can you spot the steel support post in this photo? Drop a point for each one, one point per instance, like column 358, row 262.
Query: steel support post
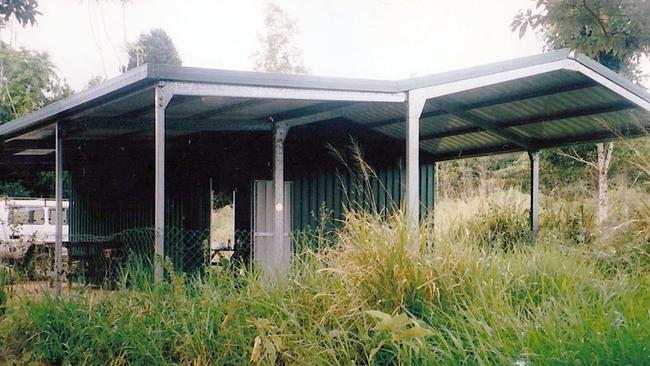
column 534, row 191
column 281, row 251
column 58, row 234
column 414, row 106
column 434, row 194
column 162, row 99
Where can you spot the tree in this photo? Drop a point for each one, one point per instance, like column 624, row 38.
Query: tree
column 28, row 81
column 23, row 10
column 615, row 33
column 278, row 51
column 155, row 47
column 94, row 81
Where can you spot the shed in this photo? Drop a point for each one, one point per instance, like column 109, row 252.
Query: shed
column 151, row 148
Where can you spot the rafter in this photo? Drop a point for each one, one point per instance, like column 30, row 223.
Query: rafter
column 581, row 112
column 514, row 97
column 485, row 124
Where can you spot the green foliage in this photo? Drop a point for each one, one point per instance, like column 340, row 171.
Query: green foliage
column 28, row 81
column 94, row 81
column 368, row 299
column 406, row 334
column 466, row 177
column 561, row 171
column 24, row 11
column 625, row 247
column 569, row 221
column 616, row 33
column 500, row 226
column 14, row 189
column 278, row 51
column 155, row 47
column 8, row 277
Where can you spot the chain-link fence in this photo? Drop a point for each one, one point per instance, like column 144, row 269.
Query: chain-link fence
column 100, row 259
column 95, row 259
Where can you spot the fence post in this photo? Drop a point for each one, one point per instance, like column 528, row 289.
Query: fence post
column 534, row 191
column 58, row 189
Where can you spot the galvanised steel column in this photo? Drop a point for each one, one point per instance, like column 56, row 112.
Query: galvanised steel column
column 58, row 189
column 161, row 101
column 281, row 254
column 534, row 191
column 414, row 106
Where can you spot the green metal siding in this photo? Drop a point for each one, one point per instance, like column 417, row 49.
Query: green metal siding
column 334, row 191
column 112, row 183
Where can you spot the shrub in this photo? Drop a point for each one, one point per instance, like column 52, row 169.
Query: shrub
column 500, row 227
column 569, row 222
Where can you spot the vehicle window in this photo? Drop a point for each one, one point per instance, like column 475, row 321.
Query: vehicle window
column 26, row 216
column 53, row 216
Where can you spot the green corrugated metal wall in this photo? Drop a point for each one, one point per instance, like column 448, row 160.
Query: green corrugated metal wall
column 187, row 222
column 112, row 182
column 334, row 191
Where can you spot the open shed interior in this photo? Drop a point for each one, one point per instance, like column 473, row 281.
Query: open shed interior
column 112, row 181
column 218, row 134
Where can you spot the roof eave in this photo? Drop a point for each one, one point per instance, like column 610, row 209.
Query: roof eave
column 67, row 106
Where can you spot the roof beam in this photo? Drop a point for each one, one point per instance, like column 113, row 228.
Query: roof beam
column 455, row 132
column 317, row 115
column 265, row 92
column 228, row 109
column 638, row 97
column 515, row 97
column 483, row 151
column 310, row 110
column 499, row 77
column 20, row 145
column 392, row 121
column 599, row 136
column 90, row 110
column 532, row 94
column 614, row 107
column 491, row 126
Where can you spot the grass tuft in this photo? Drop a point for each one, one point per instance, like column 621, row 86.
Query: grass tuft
column 364, row 296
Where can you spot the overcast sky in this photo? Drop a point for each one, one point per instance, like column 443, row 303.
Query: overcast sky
column 385, row 39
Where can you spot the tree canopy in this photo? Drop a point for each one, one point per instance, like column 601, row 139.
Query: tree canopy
column 615, row 33
column 23, row 10
column 28, row 81
column 153, row 47
column 278, row 51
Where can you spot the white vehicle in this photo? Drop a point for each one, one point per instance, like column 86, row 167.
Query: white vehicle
column 27, row 231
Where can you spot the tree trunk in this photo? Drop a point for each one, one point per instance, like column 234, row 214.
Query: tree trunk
column 604, row 161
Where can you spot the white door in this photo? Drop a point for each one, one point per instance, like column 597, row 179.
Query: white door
column 263, row 220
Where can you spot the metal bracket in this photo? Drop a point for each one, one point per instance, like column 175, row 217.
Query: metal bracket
column 415, row 100
column 163, row 95
column 281, row 128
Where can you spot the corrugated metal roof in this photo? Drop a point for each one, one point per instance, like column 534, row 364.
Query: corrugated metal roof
column 554, row 108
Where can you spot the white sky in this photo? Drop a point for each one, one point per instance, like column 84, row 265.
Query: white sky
column 385, row 39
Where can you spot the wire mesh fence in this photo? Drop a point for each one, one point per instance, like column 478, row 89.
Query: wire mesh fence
column 96, row 258
column 99, row 259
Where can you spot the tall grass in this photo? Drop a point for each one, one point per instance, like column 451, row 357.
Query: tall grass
column 364, row 299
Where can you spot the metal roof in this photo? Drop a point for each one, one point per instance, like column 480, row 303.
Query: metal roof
column 494, row 108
